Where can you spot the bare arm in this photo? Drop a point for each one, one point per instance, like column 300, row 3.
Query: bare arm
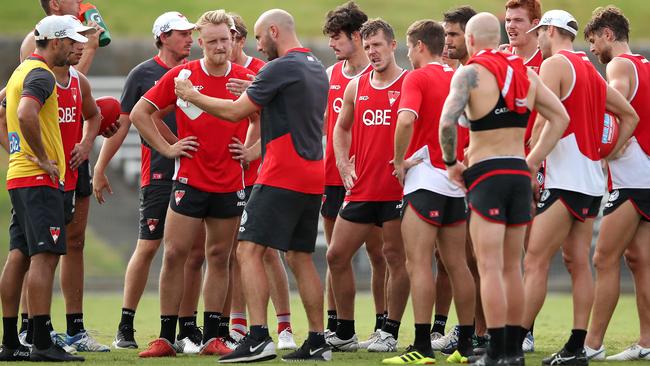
column 27, row 47
column 90, row 49
column 403, row 134
column 225, row 109
column 550, row 74
column 343, row 136
column 30, row 127
column 4, row 138
column 627, row 116
column 91, row 125
column 162, row 127
column 462, row 83
column 108, row 150
column 556, row 119
column 619, row 77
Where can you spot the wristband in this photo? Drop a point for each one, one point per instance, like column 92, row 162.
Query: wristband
column 450, row 164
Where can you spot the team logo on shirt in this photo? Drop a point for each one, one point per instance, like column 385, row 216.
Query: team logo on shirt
column 178, row 196
column 545, row 195
column 241, row 194
column 335, row 87
column 152, row 223
column 613, row 196
column 55, row 231
column 392, row 96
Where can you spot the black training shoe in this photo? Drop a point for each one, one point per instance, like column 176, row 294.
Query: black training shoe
column 309, row 353
column 19, row 354
column 53, row 354
column 486, row 360
column 124, row 339
column 518, row 360
column 251, row 349
column 564, row 357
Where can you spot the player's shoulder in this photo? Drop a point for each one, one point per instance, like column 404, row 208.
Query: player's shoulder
column 238, row 71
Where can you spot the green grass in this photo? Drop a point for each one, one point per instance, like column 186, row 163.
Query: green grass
column 102, row 312
column 136, row 17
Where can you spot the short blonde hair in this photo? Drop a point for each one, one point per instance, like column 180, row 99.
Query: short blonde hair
column 215, row 17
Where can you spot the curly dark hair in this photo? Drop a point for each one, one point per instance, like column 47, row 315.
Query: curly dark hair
column 460, row 15
column 347, row 18
column 609, row 17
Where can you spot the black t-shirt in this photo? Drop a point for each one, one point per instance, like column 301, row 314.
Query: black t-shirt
column 38, row 85
column 156, row 169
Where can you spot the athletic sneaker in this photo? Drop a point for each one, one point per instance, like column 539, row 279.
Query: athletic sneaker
column 343, row 345
column 54, row 354
column 436, row 336
column 486, row 360
column 84, row 342
column 215, row 346
column 250, row 349
column 595, row 354
column 236, row 336
column 410, row 357
column 19, row 354
column 285, row 340
column 632, row 353
column 159, row 348
column 124, row 339
column 446, row 342
column 385, row 343
column 564, row 357
column 22, row 338
column 480, row 344
column 306, row 353
column 187, row 345
column 373, row 337
column 456, row 357
column 528, row 344
column 58, row 339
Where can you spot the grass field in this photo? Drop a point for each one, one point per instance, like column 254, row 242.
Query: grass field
column 135, row 17
column 102, row 312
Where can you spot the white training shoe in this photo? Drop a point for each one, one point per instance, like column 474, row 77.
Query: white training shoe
column 22, row 338
column 373, row 337
column 285, row 340
column 236, row 336
column 528, row 345
column 84, row 342
column 632, row 353
column 435, row 336
column 187, row 346
column 595, row 354
column 343, row 345
column 446, row 341
column 384, row 343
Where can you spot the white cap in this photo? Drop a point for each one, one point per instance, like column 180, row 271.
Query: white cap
column 557, row 18
column 61, row 26
column 171, row 20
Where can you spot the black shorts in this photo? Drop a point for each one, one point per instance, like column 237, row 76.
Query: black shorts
column 37, row 222
column 84, row 180
column 280, row 218
column 332, row 201
column 68, row 206
column 639, row 197
column 580, row 205
column 192, row 202
column 437, row 209
column 154, row 200
column 371, row 212
column 247, row 191
column 499, row 190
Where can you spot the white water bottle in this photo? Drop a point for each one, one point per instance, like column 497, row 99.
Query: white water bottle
column 192, row 111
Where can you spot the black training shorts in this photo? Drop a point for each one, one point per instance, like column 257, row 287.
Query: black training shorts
column 154, row 201
column 192, row 202
column 437, row 209
column 84, row 180
column 371, row 212
column 581, row 206
column 332, row 201
column 639, row 197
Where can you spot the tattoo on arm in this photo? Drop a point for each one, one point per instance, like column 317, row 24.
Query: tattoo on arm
column 463, row 82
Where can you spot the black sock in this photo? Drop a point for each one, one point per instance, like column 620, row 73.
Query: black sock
column 210, row 325
column 496, row 349
column 391, row 326
column 29, row 337
column 523, row 332
column 513, row 340
column 465, row 333
column 42, row 338
column 331, row 320
column 259, row 332
column 379, row 321
column 168, row 327
column 127, row 318
column 576, row 341
column 422, row 340
column 532, row 329
column 75, row 323
column 316, row 339
column 439, row 323
column 186, row 326
column 24, row 322
column 224, row 326
column 50, row 326
column 344, row 329
column 9, row 332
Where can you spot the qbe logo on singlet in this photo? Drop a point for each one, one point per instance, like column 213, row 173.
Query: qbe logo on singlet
column 67, row 114
column 377, row 117
column 337, row 104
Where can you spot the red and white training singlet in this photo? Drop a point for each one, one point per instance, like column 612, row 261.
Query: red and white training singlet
column 574, row 163
column 373, row 133
column 338, row 82
column 425, row 102
column 632, row 169
column 70, row 122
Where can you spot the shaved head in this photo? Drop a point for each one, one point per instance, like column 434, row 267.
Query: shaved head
column 275, row 32
column 278, row 17
column 485, row 30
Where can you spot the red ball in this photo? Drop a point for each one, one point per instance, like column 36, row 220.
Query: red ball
column 109, row 109
column 610, row 135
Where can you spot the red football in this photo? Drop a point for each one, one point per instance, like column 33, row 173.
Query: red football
column 109, row 109
column 610, row 135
